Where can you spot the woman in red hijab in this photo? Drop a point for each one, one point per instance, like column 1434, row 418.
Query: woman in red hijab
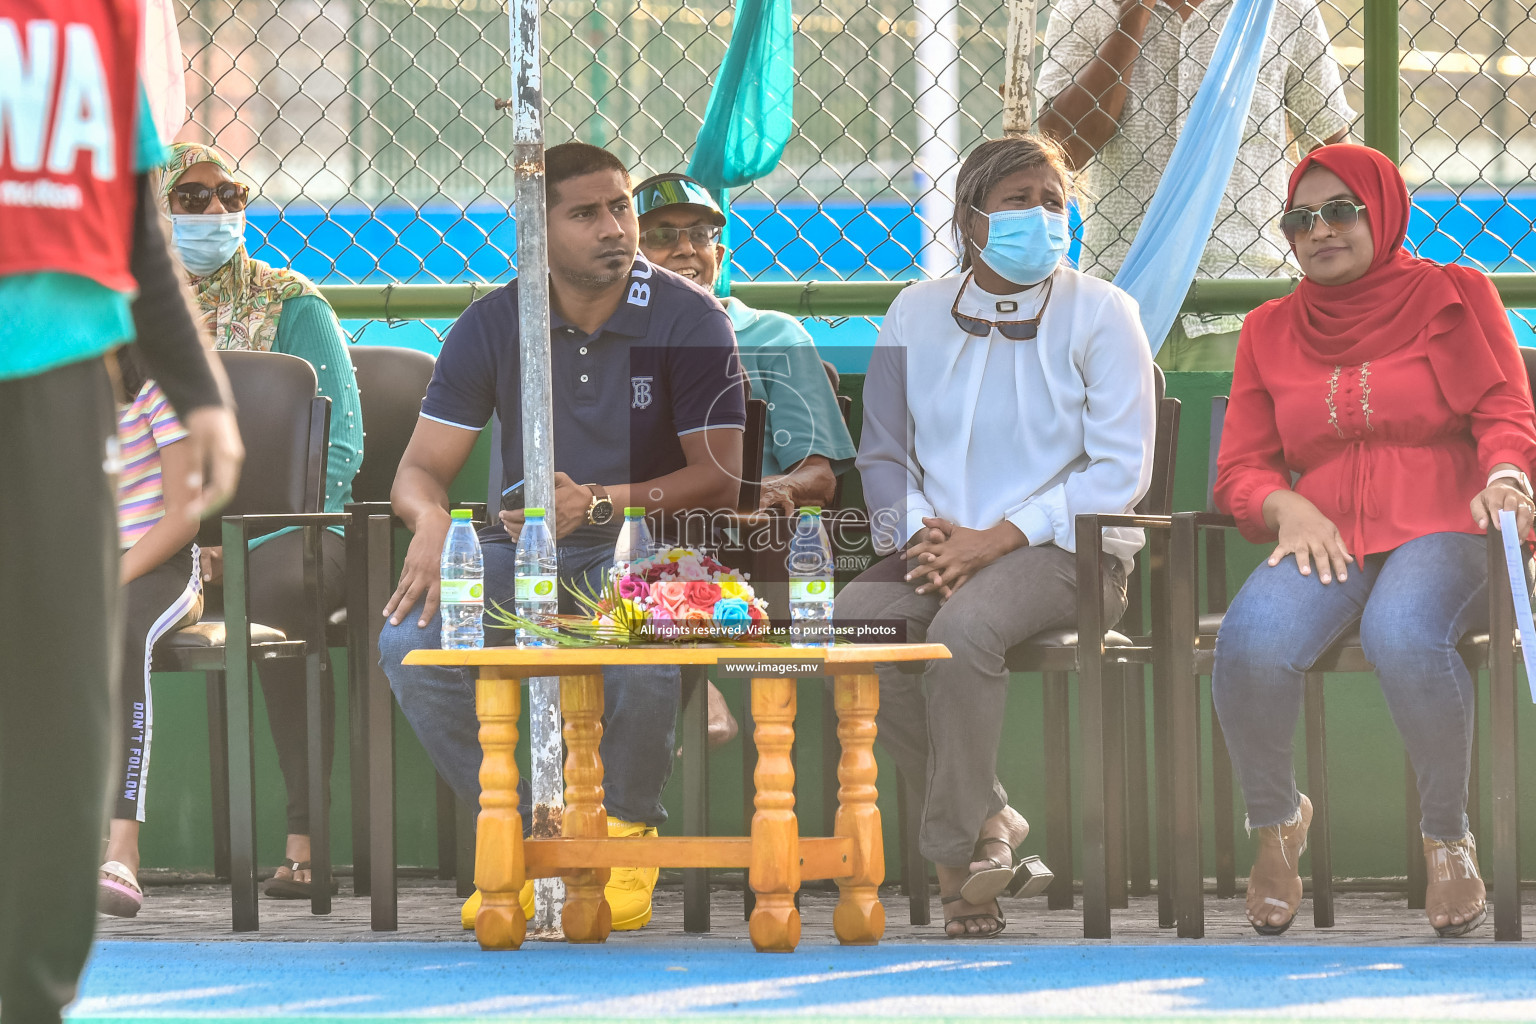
column 1380, row 419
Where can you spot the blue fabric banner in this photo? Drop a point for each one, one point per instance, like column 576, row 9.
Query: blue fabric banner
column 1165, row 254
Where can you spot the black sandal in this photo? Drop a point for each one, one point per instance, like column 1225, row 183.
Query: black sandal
column 997, row 919
column 290, row 888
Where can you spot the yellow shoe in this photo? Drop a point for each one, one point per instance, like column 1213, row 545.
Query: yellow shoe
column 472, row 906
column 629, row 889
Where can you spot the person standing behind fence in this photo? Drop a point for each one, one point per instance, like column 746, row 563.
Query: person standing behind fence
column 1001, row 403
column 80, row 240
column 250, row 305
column 1380, row 419
column 1115, row 86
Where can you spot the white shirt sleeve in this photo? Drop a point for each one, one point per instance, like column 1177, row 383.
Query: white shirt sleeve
column 1119, row 425
column 892, row 477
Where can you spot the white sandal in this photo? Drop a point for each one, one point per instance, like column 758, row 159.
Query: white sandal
column 117, row 891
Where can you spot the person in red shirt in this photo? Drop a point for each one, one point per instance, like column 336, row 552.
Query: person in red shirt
column 1379, row 421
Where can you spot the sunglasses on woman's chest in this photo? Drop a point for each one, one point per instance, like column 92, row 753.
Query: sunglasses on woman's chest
column 1013, row 330
column 195, row 197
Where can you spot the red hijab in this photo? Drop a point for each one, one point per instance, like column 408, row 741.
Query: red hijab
column 1401, row 298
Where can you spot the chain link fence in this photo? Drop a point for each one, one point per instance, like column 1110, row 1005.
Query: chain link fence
column 370, row 128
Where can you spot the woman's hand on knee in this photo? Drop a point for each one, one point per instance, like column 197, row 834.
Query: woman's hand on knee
column 946, row 565
column 1310, row 536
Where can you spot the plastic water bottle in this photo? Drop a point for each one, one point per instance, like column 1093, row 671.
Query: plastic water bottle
column 634, row 541
column 537, row 597
column 811, row 589
column 463, row 591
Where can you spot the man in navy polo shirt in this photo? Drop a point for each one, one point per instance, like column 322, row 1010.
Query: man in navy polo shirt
column 649, row 410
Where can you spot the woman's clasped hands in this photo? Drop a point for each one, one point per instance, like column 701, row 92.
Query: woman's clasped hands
column 947, row 555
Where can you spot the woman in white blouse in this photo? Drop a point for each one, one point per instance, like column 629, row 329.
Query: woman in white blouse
column 1000, row 403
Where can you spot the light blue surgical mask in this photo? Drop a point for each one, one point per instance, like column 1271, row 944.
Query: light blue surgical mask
column 1025, row 246
column 207, row 241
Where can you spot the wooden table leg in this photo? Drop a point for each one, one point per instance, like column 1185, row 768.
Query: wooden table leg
column 775, row 872
column 859, row 919
column 587, row 916
column 499, row 864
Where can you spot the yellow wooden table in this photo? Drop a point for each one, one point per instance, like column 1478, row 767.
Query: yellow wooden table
column 776, row 857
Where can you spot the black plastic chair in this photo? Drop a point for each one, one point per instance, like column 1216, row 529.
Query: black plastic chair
column 284, row 425
column 391, row 384
column 1192, row 655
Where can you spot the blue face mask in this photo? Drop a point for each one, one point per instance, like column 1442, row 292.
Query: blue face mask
column 207, row 241
column 1024, row 246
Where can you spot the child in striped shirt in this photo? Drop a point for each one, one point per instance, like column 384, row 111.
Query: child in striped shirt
column 162, row 591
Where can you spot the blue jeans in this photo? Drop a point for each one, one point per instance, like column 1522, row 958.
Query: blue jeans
column 640, row 704
column 1414, row 604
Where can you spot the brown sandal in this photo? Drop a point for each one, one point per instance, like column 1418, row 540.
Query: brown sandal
column 997, row 919
column 1276, row 872
column 1454, row 884
column 997, row 876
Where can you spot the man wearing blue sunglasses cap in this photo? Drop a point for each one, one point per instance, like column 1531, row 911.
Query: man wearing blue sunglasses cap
column 807, row 443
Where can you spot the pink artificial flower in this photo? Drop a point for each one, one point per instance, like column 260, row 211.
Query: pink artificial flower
column 671, row 596
column 634, row 588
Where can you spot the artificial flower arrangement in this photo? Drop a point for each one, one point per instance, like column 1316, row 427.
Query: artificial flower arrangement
column 675, row 594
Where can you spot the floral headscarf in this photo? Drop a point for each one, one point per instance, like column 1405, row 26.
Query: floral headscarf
column 243, row 299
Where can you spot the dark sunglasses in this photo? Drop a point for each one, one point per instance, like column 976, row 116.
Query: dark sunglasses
column 1340, row 214
column 664, row 238
column 195, row 198
column 1013, row 330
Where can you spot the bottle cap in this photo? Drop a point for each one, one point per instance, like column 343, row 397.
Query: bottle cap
column 533, row 513
column 810, row 510
column 461, row 513
column 633, row 510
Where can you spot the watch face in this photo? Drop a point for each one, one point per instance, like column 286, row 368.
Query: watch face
column 602, row 512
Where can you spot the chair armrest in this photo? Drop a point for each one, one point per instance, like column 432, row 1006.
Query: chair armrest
column 1208, row 520
column 267, row 523
column 1136, row 519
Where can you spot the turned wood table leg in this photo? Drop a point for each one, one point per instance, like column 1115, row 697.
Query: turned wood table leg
column 859, row 919
column 775, row 871
column 587, row 916
column 499, row 864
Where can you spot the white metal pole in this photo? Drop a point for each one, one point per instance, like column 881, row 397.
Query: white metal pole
column 938, row 130
column 537, row 416
column 1018, row 64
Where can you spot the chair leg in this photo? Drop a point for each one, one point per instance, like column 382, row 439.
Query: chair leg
column 357, row 750
column 1162, row 772
column 1138, row 800
column 1503, row 706
column 1114, row 785
column 447, row 808
column 914, row 868
column 1418, row 875
column 1319, row 841
column 695, row 742
column 315, row 680
column 383, row 897
column 218, row 770
column 1475, row 775
column 464, row 856
column 242, row 798
column 1058, row 789
column 1222, row 817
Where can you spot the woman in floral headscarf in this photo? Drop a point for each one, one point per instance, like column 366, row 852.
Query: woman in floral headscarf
column 247, row 304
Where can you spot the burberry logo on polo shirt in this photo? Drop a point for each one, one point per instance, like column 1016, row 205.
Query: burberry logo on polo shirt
column 642, row 392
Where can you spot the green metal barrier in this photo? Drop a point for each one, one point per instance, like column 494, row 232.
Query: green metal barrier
column 821, row 298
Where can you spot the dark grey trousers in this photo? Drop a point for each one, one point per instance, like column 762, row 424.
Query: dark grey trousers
column 943, row 725
column 60, row 642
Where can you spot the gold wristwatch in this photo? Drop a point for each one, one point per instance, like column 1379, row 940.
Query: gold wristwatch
column 600, row 512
